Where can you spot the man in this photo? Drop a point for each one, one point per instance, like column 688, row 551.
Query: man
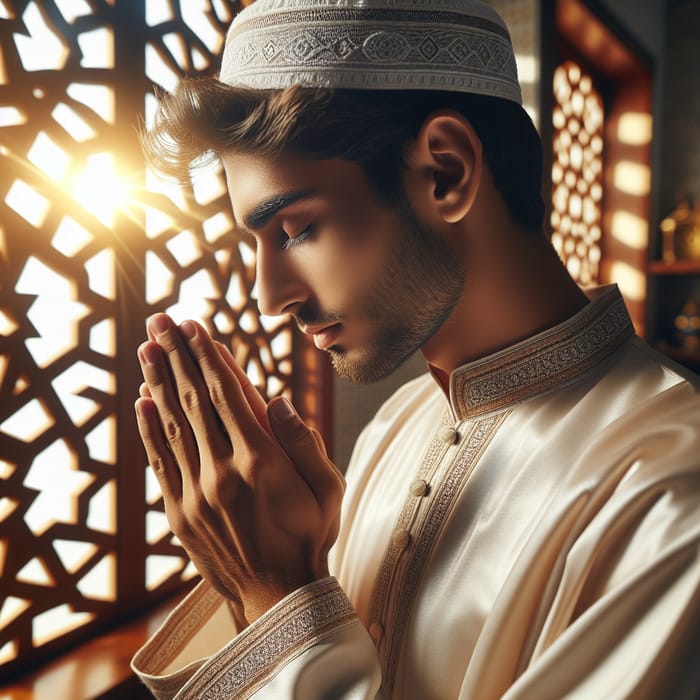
column 523, row 521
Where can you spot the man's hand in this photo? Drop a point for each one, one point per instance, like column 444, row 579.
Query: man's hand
column 248, row 488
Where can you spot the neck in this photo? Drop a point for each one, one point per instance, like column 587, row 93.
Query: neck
column 515, row 287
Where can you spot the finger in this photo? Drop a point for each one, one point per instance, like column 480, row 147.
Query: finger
column 144, row 391
column 174, row 424
column 225, row 391
column 157, row 451
column 191, row 390
column 302, row 447
column 256, row 402
column 319, row 441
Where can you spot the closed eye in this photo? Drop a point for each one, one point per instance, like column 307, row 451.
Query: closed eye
column 290, row 242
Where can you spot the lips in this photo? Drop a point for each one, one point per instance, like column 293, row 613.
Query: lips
column 325, row 337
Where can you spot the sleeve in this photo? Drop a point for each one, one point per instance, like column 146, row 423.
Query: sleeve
column 610, row 606
column 625, row 617
column 310, row 645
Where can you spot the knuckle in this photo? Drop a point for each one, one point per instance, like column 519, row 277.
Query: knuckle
column 217, row 393
column 157, row 465
column 190, row 399
column 301, row 436
column 173, row 430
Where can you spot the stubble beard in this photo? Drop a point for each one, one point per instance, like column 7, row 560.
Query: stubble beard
column 422, row 285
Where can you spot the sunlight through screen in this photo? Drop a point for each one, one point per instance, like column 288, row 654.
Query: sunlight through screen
column 577, row 172
column 73, row 218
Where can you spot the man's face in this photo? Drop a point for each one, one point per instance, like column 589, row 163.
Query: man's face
column 358, row 274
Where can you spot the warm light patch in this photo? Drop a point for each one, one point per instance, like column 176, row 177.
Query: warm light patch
column 74, row 554
column 28, row 422
column 12, row 608
column 156, row 526
column 54, row 312
column 635, row 128
column 100, row 269
column 99, row 583
column 100, row 189
column 54, row 475
column 7, row 327
column 159, row 278
column 72, row 381
column 97, row 48
column 631, row 281
column 101, row 440
column 7, row 507
column 42, row 49
column 73, row 123
column 194, row 292
column 56, row 622
column 103, row 337
column 8, row 652
column 36, row 573
column 72, row 9
column 158, row 12
column 577, row 172
column 99, row 98
column 10, row 116
column 632, row 178
column 160, row 567
column 102, row 510
column 28, row 203
column 630, row 230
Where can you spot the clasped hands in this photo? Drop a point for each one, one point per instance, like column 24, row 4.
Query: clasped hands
column 247, row 486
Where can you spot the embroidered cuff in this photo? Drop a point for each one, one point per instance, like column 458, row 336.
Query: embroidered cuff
column 288, row 629
column 171, row 639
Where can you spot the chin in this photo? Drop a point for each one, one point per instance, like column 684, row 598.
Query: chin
column 367, row 366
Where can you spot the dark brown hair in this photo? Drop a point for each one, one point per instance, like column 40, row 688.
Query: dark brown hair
column 205, row 118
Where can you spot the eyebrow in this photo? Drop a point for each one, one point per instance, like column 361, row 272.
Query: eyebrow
column 263, row 212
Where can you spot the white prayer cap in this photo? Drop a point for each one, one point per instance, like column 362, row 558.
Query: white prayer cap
column 451, row 45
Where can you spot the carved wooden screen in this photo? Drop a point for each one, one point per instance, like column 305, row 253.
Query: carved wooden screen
column 577, row 172
column 90, row 245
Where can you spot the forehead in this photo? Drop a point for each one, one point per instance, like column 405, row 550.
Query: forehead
column 254, row 179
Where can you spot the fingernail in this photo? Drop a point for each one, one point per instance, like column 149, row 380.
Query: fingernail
column 188, row 329
column 159, row 323
column 282, row 409
column 149, row 353
column 143, row 408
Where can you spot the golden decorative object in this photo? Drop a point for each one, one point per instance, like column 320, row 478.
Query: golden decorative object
column 680, row 232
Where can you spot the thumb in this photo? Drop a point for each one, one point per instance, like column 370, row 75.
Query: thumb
column 306, row 451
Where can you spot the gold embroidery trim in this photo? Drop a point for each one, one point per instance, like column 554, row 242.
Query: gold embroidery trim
column 392, row 605
column 263, row 649
column 540, row 364
column 177, row 630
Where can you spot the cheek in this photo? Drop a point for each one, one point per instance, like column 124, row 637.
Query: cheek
column 346, row 274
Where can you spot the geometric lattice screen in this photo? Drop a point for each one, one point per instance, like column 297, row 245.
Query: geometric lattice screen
column 577, row 172
column 91, row 244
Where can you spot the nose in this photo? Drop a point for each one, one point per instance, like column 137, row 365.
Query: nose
column 281, row 288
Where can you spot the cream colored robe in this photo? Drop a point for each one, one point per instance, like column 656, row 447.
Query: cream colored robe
column 536, row 537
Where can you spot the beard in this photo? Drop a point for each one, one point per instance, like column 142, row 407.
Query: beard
column 421, row 286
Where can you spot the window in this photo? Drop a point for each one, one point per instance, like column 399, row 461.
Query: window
column 91, row 244
column 577, row 172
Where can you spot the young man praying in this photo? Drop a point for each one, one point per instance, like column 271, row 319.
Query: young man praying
column 522, row 522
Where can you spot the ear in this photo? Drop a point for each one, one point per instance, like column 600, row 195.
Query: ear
column 445, row 164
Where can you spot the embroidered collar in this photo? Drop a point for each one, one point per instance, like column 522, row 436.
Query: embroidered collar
column 545, row 361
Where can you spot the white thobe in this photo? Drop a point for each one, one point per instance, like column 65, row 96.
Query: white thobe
column 535, row 536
